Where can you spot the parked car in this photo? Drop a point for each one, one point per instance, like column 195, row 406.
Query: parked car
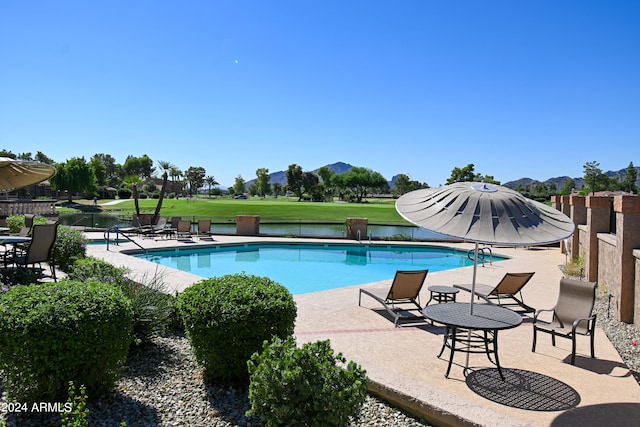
column 241, row 196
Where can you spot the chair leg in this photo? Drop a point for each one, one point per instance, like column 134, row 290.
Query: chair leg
column 553, row 338
column 593, row 352
column 535, row 336
column 573, row 349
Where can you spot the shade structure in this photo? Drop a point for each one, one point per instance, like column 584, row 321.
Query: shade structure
column 485, row 213
column 18, row 174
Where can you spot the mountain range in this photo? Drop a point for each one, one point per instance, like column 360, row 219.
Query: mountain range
column 341, row 167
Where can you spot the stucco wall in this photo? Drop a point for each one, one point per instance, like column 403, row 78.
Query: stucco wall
column 609, row 270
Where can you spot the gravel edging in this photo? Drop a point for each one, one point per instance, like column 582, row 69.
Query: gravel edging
column 161, row 385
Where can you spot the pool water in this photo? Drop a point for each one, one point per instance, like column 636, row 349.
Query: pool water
column 305, row 268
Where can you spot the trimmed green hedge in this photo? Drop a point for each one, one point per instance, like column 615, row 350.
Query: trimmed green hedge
column 54, row 333
column 228, row 318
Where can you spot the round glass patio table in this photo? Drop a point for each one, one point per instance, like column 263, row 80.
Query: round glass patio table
column 480, row 328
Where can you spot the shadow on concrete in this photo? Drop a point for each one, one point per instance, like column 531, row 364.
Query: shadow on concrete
column 523, row 390
column 618, row 414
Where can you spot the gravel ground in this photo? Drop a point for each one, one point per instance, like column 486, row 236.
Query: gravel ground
column 162, row 386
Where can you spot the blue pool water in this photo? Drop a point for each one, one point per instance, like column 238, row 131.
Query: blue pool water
column 304, row 268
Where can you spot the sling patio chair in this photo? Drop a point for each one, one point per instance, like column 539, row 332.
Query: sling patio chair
column 508, row 292
column 40, row 249
column 572, row 315
column 184, row 230
column 204, row 229
column 404, row 290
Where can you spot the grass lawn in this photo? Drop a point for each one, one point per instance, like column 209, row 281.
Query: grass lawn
column 378, row 211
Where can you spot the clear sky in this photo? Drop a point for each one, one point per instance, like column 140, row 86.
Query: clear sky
column 519, row 88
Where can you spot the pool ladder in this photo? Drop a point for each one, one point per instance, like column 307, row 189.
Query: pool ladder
column 482, row 255
column 116, row 230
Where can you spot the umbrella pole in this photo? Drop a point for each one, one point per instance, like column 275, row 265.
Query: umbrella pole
column 473, row 282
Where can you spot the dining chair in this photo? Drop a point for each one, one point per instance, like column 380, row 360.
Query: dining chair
column 40, row 249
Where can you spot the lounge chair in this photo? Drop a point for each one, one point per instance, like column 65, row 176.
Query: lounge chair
column 572, row 315
column 405, row 289
column 40, row 249
column 508, row 292
column 204, row 229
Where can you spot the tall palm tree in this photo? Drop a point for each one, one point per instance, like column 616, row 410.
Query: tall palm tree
column 211, row 181
column 166, row 167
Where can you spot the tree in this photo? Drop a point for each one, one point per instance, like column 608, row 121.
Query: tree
column 211, row 181
column 595, row 179
column 175, row 174
column 195, row 176
column 165, row 167
column 311, row 185
column 262, row 182
column 74, row 176
column 361, row 181
column 568, row 186
column 42, row 158
column 239, row 186
column 277, row 189
column 114, row 172
column 328, row 189
column 628, row 183
column 467, row 174
column 294, row 180
column 141, row 166
column 99, row 169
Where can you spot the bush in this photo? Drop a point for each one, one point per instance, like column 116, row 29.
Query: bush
column 153, row 309
column 16, row 222
column 227, row 319
column 124, row 193
column 304, row 386
column 70, row 246
column 54, row 333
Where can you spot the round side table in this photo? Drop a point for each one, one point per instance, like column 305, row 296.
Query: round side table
column 441, row 294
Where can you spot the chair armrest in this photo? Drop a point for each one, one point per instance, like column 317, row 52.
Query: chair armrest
column 591, row 320
column 476, row 293
column 538, row 312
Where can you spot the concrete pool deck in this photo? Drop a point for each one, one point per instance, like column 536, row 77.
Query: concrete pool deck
column 542, row 388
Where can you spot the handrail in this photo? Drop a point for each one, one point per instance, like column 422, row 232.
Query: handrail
column 481, row 255
column 116, row 230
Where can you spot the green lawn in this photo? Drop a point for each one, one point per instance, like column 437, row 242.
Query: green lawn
column 378, row 211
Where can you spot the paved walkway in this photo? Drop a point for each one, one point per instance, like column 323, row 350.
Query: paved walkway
column 541, row 388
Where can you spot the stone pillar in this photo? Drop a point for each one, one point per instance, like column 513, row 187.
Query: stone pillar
column 579, row 217
column 247, row 225
column 357, row 228
column 627, row 209
column 565, row 203
column 555, row 202
column 598, row 221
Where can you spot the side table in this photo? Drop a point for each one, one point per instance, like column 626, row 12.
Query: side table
column 442, row 294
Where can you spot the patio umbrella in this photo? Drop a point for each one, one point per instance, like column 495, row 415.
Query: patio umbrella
column 18, row 174
column 484, row 213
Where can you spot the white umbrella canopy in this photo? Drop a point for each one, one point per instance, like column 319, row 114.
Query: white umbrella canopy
column 484, row 213
column 18, row 174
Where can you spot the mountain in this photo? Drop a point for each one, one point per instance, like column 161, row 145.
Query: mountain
column 560, row 181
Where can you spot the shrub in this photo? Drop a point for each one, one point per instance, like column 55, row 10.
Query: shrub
column 124, row 193
column 16, row 222
column 54, row 333
column 304, row 386
column 70, row 246
column 227, row 319
column 153, row 308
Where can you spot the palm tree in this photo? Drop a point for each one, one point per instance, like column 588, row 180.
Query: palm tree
column 211, row 181
column 175, row 173
column 166, row 167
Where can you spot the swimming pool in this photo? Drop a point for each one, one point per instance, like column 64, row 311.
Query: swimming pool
column 307, row 267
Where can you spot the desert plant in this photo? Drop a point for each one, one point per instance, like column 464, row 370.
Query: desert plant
column 53, row 333
column 70, row 246
column 308, row 386
column 154, row 309
column 227, row 319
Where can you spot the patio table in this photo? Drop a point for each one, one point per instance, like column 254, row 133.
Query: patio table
column 482, row 327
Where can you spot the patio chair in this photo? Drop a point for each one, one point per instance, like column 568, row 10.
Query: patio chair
column 405, row 289
column 204, row 229
column 572, row 315
column 184, row 230
column 40, row 249
column 507, row 293
column 28, row 225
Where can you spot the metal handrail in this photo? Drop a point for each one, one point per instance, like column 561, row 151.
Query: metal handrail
column 115, row 229
column 481, row 255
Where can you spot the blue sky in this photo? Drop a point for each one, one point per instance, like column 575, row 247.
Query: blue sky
column 518, row 88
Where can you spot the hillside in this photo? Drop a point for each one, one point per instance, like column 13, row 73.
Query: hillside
column 341, row 167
